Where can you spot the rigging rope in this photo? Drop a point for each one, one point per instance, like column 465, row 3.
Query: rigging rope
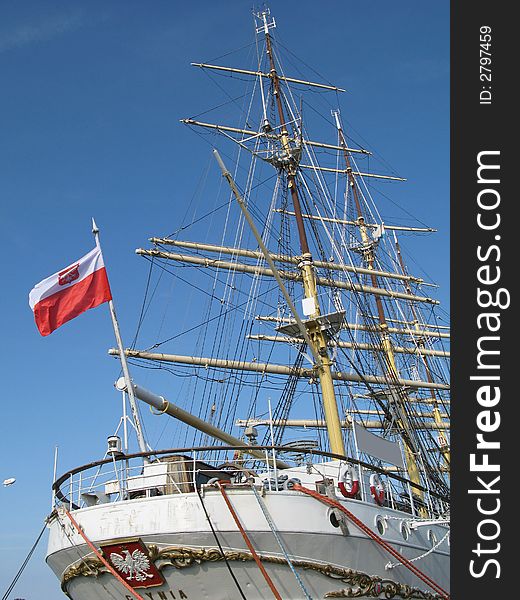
column 280, row 543
column 101, row 557
column 219, row 544
column 404, row 561
column 248, row 541
column 24, row 564
column 434, row 547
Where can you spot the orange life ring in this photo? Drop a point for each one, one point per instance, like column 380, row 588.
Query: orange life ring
column 376, row 489
column 348, row 476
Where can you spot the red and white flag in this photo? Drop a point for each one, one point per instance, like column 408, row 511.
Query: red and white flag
column 70, row 292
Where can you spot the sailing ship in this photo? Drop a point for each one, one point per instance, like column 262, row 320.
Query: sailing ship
column 311, row 393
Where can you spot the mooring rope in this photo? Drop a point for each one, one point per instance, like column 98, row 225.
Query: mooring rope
column 248, row 542
column 404, row 561
column 24, row 564
column 101, row 557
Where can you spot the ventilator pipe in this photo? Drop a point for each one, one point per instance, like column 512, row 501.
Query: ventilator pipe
column 164, row 406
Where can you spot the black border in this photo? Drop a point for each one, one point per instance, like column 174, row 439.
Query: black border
column 474, row 128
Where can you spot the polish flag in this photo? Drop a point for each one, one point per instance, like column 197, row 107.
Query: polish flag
column 70, row 292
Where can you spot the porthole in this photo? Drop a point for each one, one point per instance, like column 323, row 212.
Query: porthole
column 333, row 519
column 405, row 531
column 381, row 524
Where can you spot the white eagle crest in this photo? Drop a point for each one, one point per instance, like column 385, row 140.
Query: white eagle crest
column 133, row 565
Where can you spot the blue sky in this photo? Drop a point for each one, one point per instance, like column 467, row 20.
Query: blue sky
column 92, row 94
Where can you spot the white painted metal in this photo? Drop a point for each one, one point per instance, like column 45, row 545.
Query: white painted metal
column 303, row 523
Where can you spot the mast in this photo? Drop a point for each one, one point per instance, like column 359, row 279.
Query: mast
column 443, row 443
column 279, row 141
column 367, row 251
column 317, row 338
column 124, row 364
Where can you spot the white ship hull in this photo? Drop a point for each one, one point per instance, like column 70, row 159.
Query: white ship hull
column 176, row 532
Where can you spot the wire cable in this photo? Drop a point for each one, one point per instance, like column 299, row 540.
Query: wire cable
column 24, row 564
column 219, row 545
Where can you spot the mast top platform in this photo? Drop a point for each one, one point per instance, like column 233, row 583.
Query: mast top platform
column 266, row 24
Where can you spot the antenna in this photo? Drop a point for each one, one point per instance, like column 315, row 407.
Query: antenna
column 266, row 25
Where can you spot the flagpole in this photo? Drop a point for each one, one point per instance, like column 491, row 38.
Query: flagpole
column 126, row 373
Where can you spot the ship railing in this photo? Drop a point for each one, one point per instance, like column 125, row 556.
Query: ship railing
column 183, row 470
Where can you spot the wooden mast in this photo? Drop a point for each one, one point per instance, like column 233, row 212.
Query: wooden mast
column 368, row 255
column 316, row 336
column 443, row 443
